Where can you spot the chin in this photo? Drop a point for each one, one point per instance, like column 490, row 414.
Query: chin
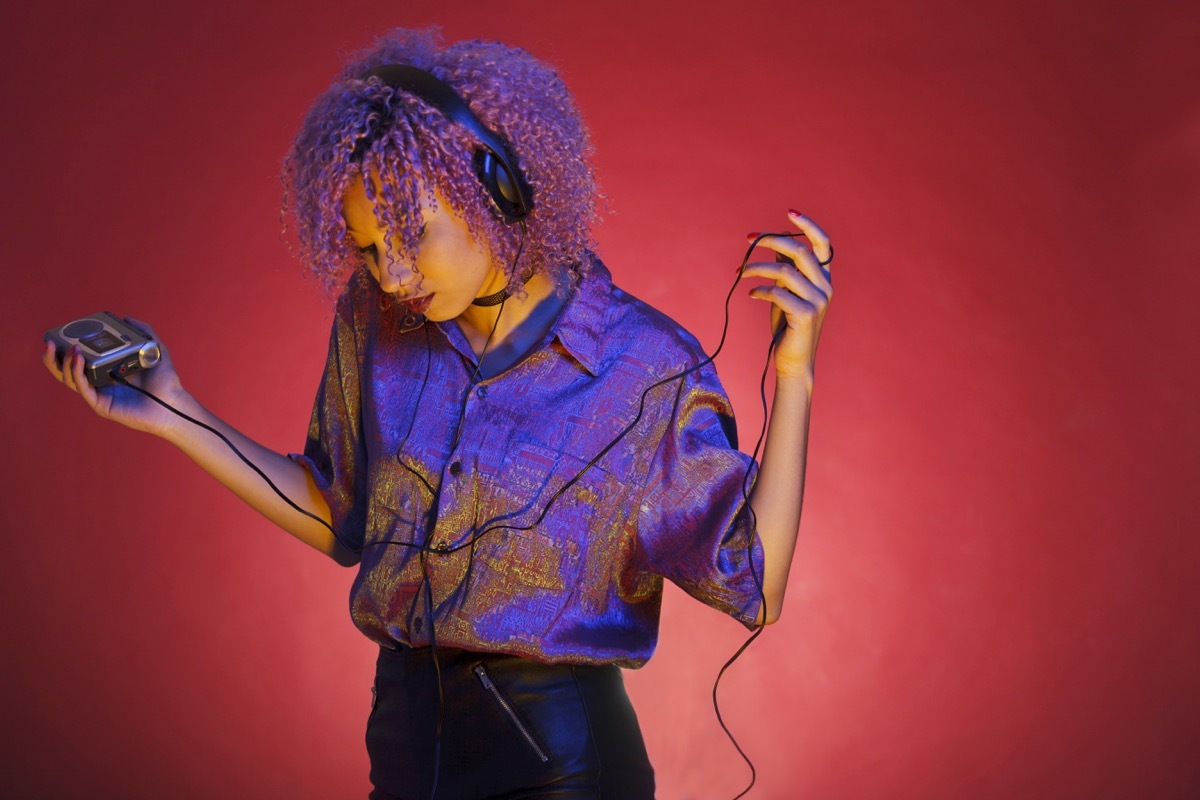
column 434, row 314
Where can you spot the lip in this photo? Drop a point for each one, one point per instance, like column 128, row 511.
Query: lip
column 419, row 305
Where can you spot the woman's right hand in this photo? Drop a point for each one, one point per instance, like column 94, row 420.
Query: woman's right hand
column 121, row 403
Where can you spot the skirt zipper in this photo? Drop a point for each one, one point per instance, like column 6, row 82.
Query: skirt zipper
column 486, row 679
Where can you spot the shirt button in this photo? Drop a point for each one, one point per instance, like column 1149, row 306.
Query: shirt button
column 481, row 391
column 456, row 468
column 443, row 547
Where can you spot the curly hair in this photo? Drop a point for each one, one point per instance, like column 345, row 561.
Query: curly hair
column 360, row 128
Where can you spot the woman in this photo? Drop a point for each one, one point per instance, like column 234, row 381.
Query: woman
column 513, row 451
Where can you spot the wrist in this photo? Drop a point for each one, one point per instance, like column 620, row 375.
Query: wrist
column 791, row 382
column 173, row 427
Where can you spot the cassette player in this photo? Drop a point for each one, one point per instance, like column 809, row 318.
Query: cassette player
column 109, row 346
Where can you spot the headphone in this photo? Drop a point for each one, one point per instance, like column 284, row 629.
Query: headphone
column 506, row 185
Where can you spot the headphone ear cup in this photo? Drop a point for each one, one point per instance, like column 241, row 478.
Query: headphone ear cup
column 504, row 183
column 500, row 185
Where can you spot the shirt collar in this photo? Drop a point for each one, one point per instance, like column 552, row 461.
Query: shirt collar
column 580, row 324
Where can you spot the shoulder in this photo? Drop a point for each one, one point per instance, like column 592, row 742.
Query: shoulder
column 607, row 328
column 635, row 325
column 651, row 338
column 359, row 292
column 355, row 315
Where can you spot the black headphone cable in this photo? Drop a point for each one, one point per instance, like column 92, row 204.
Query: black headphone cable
column 425, row 548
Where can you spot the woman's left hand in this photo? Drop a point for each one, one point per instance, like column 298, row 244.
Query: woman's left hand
column 799, row 297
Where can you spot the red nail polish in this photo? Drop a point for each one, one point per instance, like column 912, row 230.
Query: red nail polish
column 794, row 212
column 752, row 235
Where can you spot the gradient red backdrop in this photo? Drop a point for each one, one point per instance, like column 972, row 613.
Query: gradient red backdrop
column 994, row 593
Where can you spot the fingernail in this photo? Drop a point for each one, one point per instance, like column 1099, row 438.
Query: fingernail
column 794, row 212
column 752, row 235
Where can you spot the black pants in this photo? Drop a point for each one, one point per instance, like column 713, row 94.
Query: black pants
column 511, row 728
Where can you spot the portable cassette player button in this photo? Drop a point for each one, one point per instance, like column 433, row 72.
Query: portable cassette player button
column 148, row 355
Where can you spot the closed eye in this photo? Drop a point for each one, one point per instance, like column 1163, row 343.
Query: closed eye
column 370, row 250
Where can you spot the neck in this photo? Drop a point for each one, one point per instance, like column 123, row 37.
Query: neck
column 520, row 321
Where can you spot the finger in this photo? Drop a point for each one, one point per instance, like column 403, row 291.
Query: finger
column 788, row 275
column 811, row 270
column 50, row 360
column 141, row 326
column 805, row 292
column 801, row 257
column 787, row 310
column 68, row 370
column 89, row 394
column 815, row 235
column 82, row 385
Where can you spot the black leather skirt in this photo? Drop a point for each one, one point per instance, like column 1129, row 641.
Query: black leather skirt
column 510, row 728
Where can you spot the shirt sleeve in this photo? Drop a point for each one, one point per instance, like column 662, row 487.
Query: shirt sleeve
column 334, row 452
column 695, row 526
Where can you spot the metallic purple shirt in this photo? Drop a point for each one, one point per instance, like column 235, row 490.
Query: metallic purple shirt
column 584, row 585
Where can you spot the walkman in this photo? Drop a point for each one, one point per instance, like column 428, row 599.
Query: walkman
column 109, row 346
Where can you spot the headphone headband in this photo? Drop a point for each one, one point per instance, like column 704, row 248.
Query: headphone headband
column 510, row 191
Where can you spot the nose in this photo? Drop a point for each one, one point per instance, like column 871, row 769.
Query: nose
column 396, row 279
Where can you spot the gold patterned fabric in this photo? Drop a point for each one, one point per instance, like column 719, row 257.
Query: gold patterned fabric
column 409, row 452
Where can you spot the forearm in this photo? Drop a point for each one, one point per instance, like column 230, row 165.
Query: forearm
column 779, row 490
column 293, row 480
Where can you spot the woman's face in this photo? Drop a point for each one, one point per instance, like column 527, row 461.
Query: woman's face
column 454, row 268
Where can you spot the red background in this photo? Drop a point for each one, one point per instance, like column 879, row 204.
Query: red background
column 993, row 595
